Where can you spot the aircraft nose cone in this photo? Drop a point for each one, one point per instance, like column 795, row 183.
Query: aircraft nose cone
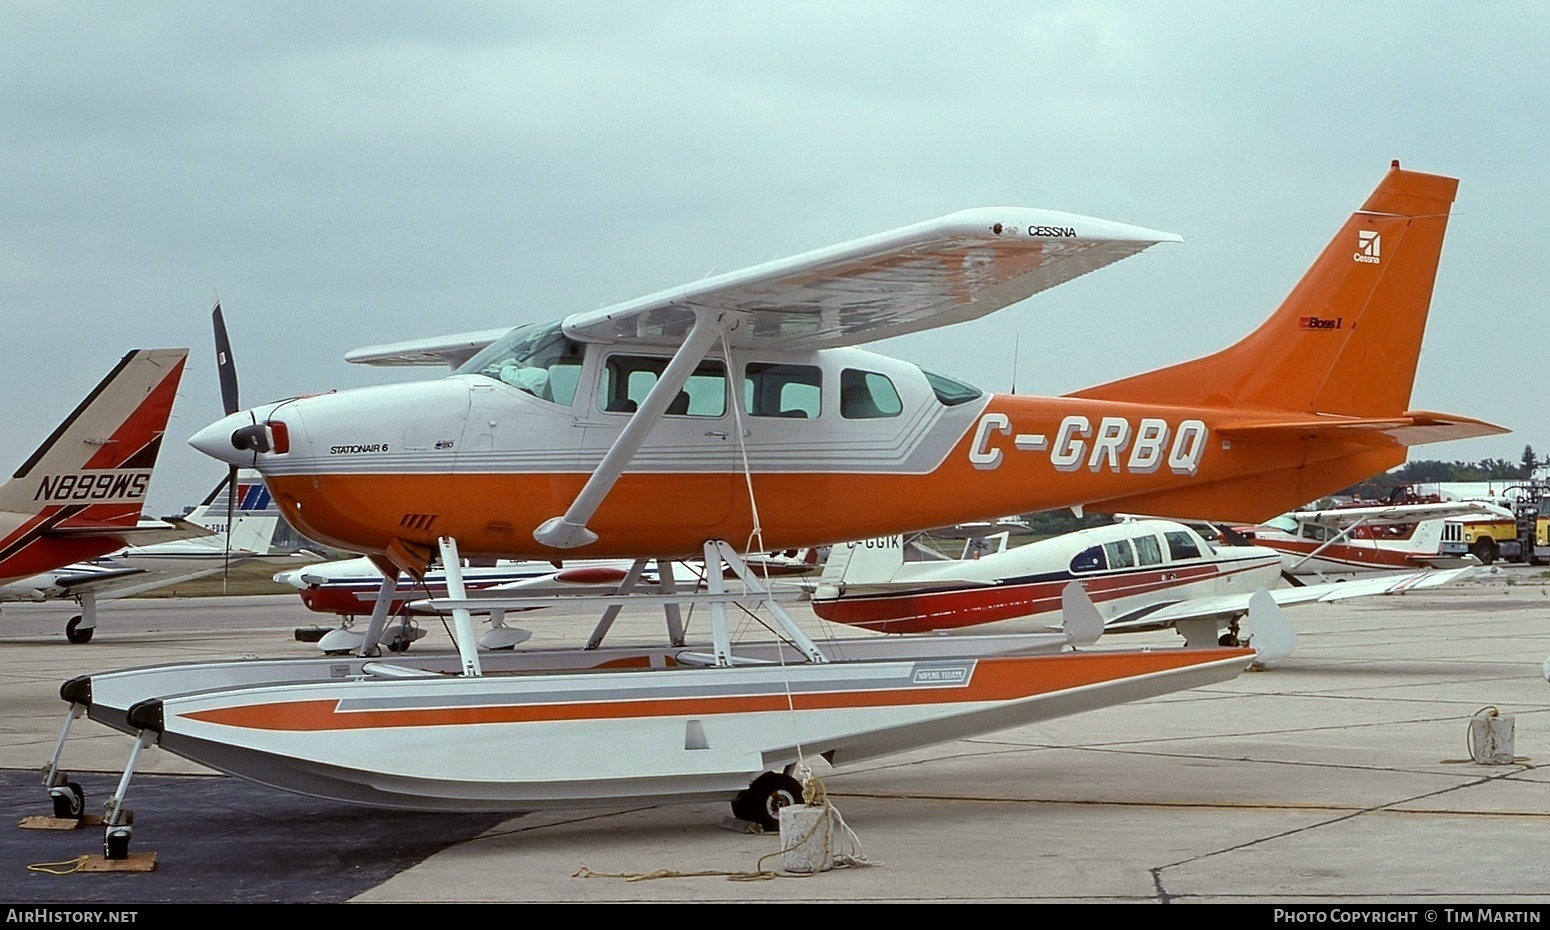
column 216, row 440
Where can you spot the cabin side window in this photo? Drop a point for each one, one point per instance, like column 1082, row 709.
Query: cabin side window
column 1089, row 560
column 1148, row 551
column 627, row 379
column 867, row 395
column 777, row 390
column 1181, row 546
column 1119, row 554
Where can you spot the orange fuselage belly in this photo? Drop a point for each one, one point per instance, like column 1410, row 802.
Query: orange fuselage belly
column 673, row 514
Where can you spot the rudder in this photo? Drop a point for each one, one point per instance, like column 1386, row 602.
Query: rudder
column 1347, row 338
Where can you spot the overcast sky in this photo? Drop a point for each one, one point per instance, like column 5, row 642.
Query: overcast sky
column 347, row 174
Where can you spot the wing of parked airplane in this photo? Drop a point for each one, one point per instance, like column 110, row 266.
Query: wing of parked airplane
column 1342, row 517
column 1229, row 606
column 949, row 270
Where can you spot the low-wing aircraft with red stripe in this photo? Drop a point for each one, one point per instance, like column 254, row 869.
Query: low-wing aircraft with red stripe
column 205, row 547
column 1140, row 574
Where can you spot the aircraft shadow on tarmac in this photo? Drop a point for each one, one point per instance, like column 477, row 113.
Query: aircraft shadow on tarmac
column 221, row 840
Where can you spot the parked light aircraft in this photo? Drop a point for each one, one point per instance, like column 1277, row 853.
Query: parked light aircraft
column 79, row 496
column 1142, row 575
column 659, row 428
column 207, row 549
column 348, row 588
column 1387, row 537
column 621, row 420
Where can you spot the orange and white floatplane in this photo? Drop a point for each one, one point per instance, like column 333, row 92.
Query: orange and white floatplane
column 739, row 409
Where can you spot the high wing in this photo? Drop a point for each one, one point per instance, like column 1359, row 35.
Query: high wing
column 949, row 270
column 1229, row 606
column 451, row 351
column 956, row 268
column 1396, row 513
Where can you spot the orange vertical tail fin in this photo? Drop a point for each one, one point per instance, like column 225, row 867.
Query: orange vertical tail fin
column 1346, row 340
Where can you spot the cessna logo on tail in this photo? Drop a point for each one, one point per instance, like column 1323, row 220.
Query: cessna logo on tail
column 103, row 487
column 1114, row 445
column 1368, row 246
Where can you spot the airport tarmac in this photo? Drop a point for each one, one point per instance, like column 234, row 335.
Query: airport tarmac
column 1340, row 776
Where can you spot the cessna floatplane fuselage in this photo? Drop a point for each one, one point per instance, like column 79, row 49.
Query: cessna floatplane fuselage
column 738, row 413
column 648, row 428
column 834, row 437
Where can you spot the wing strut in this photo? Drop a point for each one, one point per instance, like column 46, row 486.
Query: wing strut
column 570, row 530
column 462, row 620
column 1341, row 536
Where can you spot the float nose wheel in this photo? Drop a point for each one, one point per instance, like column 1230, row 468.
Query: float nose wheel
column 761, row 801
column 69, row 801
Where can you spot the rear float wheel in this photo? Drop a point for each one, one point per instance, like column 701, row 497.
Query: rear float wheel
column 761, row 801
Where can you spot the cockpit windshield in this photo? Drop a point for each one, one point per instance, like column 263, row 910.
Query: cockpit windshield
column 950, row 391
column 537, row 359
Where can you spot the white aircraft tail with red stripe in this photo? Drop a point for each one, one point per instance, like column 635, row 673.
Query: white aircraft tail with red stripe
column 81, row 493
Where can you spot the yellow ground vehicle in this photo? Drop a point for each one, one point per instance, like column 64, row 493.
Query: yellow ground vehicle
column 1524, row 538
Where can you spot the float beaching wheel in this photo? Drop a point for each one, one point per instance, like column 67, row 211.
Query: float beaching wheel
column 761, row 801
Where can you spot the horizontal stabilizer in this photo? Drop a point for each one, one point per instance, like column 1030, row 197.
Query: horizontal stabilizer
column 1413, row 429
column 87, row 580
column 142, row 535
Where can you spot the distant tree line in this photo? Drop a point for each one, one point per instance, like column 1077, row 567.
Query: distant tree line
column 1429, row 471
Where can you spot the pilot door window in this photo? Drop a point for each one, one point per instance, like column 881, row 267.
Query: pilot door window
column 775, row 390
column 540, row 361
column 627, row 379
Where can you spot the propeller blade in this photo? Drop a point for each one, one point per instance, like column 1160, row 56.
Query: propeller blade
column 225, row 368
column 226, row 371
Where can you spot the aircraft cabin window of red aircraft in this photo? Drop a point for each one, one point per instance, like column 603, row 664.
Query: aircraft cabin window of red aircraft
column 950, row 391
column 539, row 360
column 1181, row 546
column 1089, row 560
column 867, row 395
column 777, row 390
column 627, row 379
column 1148, row 551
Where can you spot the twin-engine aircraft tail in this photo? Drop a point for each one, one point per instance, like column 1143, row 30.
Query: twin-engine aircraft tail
column 1346, row 339
column 80, row 494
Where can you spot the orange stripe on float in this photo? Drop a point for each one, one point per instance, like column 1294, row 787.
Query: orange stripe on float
column 994, row 679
